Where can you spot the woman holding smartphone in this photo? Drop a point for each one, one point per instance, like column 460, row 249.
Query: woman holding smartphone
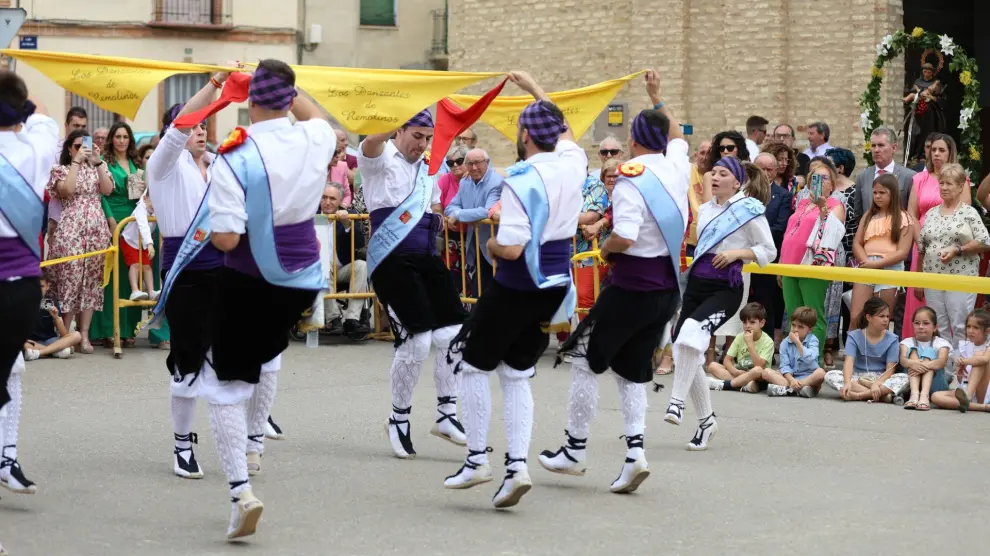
column 79, row 181
column 823, row 214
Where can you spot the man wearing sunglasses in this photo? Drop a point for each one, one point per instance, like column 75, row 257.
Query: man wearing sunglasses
column 610, row 147
column 467, row 138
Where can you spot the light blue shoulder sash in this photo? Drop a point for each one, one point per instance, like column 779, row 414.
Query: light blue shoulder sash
column 250, row 171
column 402, row 220
column 21, row 206
column 525, row 181
column 735, row 216
column 665, row 212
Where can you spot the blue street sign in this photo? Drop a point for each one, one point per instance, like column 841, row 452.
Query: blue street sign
column 29, row 42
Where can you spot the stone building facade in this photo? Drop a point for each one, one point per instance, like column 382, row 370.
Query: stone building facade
column 794, row 61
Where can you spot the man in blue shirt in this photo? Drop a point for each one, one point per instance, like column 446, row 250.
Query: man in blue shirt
column 479, row 190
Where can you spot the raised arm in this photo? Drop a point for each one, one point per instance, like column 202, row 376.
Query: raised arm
column 526, row 82
column 305, row 109
column 653, row 89
column 203, row 97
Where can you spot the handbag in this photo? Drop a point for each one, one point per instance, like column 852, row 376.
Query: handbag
column 136, row 185
column 823, row 244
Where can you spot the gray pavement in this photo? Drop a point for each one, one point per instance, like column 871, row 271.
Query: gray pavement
column 782, row 476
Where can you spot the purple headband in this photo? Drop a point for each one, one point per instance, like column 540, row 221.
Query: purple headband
column 423, row 119
column 647, row 135
column 542, row 124
column 270, row 91
column 733, row 165
column 10, row 116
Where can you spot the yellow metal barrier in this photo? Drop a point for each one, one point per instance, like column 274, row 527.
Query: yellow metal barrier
column 380, row 333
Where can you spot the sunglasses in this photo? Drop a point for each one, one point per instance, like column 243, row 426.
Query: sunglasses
column 782, row 135
column 726, row 148
column 610, row 152
column 75, row 145
column 455, row 162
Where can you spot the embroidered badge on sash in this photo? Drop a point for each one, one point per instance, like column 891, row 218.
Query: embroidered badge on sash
column 234, row 140
column 631, row 169
column 405, row 216
column 199, row 234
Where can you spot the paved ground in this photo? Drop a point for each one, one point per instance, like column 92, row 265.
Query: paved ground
column 784, row 475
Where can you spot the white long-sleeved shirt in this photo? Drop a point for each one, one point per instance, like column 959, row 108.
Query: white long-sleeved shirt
column 296, row 157
column 563, row 173
column 140, row 224
column 175, row 183
column 632, row 219
column 30, row 151
column 754, row 234
column 389, row 178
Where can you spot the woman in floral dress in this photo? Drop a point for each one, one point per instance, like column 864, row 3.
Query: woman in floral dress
column 79, row 181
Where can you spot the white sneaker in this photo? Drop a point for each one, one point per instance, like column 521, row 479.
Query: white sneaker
column 447, row 426
column 776, row 390
column 32, row 355
column 12, row 478
column 675, row 412
column 514, row 486
column 752, row 387
column 138, row 296
column 715, row 384
column 154, row 295
column 244, row 515
column 703, row 435
column 470, row 473
column 398, row 433
column 253, row 463
column 273, row 431
column 64, row 354
column 634, row 472
column 568, row 459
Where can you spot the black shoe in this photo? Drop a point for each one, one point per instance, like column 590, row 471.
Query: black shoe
column 335, row 326
column 356, row 330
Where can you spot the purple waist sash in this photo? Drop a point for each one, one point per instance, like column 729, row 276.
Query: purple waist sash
column 422, row 240
column 643, row 274
column 296, row 245
column 555, row 258
column 209, row 257
column 703, row 268
column 17, row 259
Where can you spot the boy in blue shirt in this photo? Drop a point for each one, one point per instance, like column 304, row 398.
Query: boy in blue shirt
column 799, row 370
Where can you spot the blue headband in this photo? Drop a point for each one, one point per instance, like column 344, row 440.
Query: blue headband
column 733, row 165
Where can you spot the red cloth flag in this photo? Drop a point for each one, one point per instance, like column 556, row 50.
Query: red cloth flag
column 234, row 90
column 453, row 120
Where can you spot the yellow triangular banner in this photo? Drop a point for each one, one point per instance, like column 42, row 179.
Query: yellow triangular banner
column 113, row 83
column 580, row 106
column 368, row 101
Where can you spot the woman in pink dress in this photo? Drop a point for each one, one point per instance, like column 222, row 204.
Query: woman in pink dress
column 450, row 184
column 79, row 181
column 925, row 196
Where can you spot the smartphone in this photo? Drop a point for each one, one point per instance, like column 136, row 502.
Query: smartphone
column 88, row 142
column 816, row 187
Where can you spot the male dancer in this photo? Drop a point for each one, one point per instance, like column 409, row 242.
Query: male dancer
column 507, row 330
column 409, row 278
column 28, row 142
column 177, row 176
column 621, row 332
column 264, row 189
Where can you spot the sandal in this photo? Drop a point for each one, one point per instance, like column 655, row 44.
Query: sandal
column 166, row 345
column 85, row 347
column 128, row 342
column 924, row 406
column 911, row 405
column 666, row 356
column 828, row 360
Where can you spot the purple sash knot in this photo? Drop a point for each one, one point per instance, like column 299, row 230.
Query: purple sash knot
column 296, row 244
column 555, row 258
column 703, row 268
column 643, row 274
column 422, row 240
column 17, row 259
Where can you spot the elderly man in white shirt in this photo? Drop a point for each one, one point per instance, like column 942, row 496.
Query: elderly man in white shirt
column 410, row 279
column 28, row 142
column 620, row 333
column 506, row 333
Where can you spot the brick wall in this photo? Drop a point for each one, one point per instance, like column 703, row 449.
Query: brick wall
column 794, row 61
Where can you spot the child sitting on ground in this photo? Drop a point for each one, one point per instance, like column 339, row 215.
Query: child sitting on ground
column 799, row 370
column 51, row 337
column 872, row 354
column 972, row 362
column 750, row 353
column 138, row 257
column 924, row 358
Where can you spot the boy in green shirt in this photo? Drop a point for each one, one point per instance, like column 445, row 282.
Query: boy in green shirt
column 749, row 354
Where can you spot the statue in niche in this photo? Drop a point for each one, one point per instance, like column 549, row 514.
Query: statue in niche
column 925, row 109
